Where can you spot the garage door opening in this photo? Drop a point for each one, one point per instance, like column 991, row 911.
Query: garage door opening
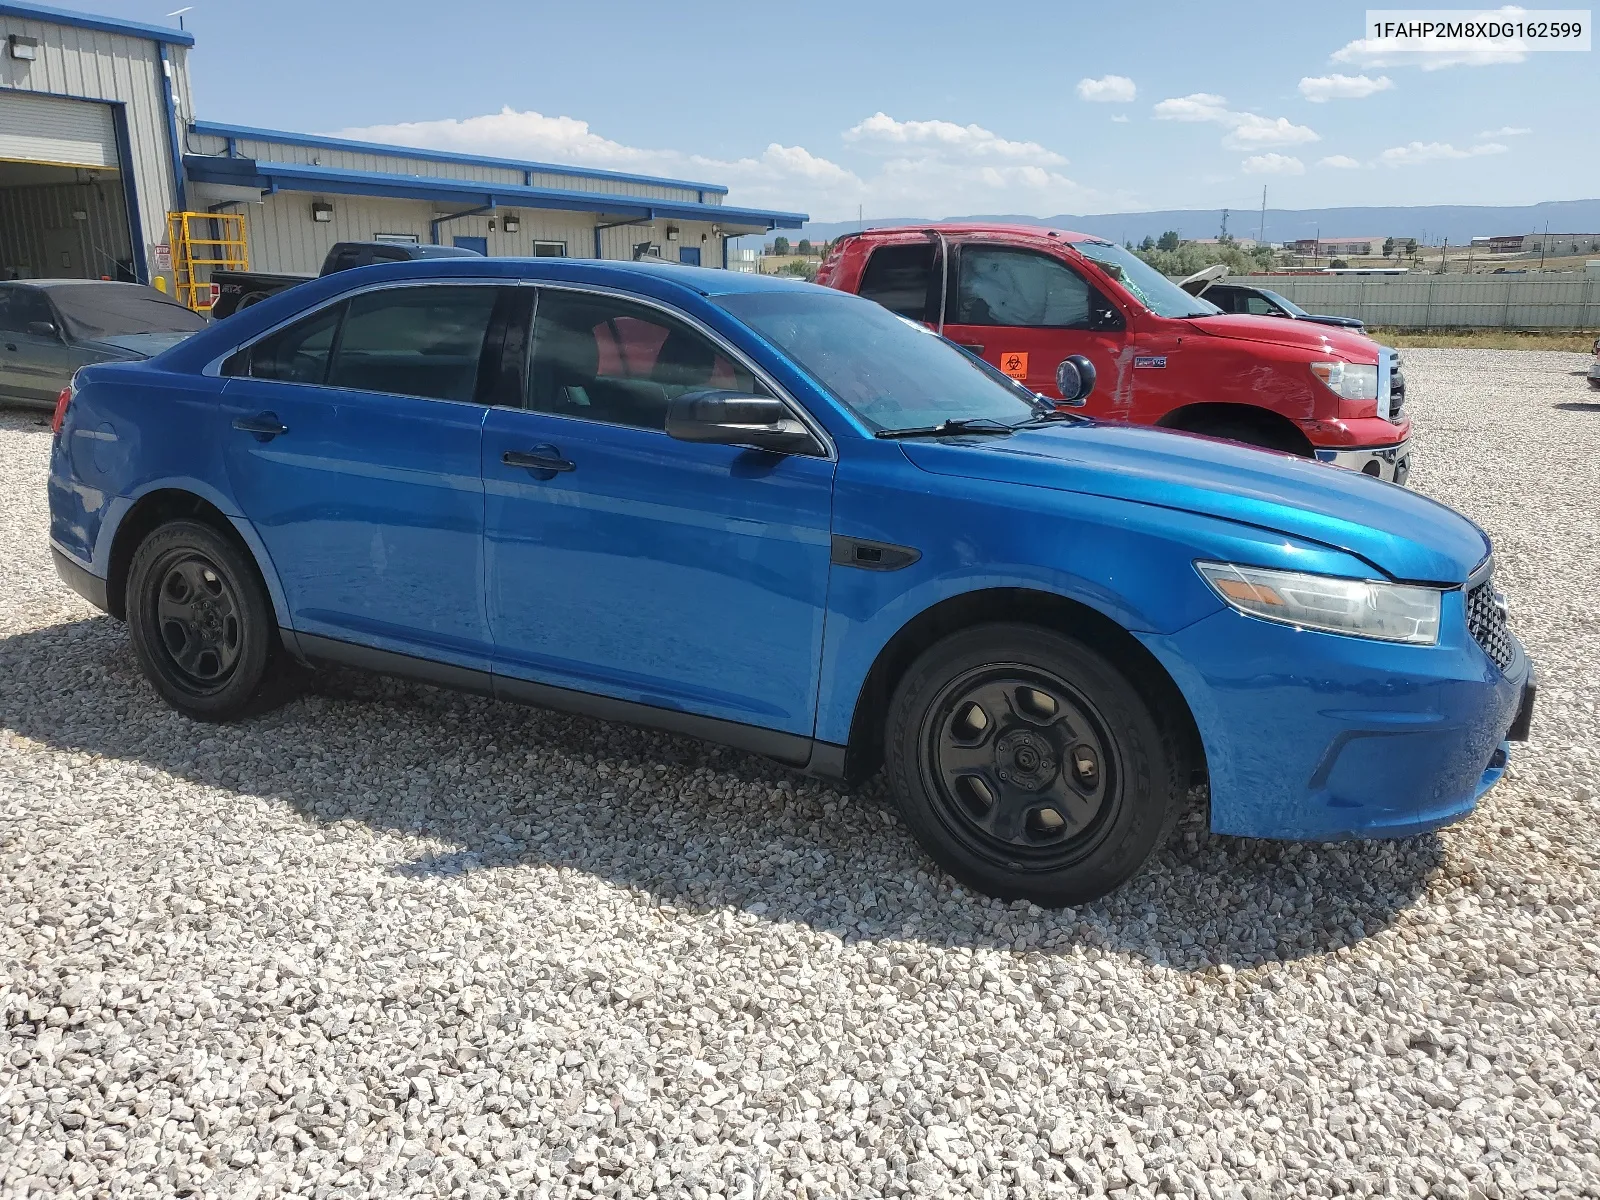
column 63, row 201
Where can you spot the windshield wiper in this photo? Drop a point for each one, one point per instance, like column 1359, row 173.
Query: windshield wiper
column 947, row 428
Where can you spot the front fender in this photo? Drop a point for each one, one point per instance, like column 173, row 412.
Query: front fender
column 1132, row 563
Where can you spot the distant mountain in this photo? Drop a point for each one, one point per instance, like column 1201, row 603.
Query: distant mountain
column 1429, row 224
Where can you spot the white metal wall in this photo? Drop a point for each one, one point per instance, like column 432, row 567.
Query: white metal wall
column 283, row 237
column 1555, row 300
column 399, row 163
column 95, row 65
column 39, row 228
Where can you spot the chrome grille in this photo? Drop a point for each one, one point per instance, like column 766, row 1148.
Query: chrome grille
column 1486, row 621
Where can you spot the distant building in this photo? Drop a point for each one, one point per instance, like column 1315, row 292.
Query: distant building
column 1341, row 247
column 1544, row 243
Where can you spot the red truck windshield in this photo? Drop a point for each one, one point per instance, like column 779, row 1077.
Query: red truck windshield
column 1146, row 284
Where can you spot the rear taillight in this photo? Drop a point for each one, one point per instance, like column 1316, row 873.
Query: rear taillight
column 64, row 399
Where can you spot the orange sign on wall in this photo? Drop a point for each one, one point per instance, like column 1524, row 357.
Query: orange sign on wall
column 1015, row 364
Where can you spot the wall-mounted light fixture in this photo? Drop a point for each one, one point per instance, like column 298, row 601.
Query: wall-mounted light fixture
column 23, row 49
column 672, row 233
column 321, row 211
column 513, row 223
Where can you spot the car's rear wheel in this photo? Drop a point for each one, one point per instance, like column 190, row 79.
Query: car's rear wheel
column 1028, row 765
column 200, row 620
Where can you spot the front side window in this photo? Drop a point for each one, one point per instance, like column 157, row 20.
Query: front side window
column 897, row 277
column 608, row 360
column 422, row 341
column 21, row 307
column 890, row 371
column 1146, row 284
column 1000, row 285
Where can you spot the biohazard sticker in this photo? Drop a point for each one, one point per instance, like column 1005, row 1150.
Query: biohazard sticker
column 1014, row 364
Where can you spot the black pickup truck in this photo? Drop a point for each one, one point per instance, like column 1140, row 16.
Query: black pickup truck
column 241, row 289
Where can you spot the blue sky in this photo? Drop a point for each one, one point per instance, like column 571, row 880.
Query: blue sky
column 931, row 109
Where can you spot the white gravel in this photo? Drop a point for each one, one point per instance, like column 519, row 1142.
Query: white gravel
column 393, row 941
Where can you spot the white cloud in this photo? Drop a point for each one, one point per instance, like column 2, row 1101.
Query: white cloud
column 1246, row 130
column 1320, row 89
column 1273, row 164
column 1121, row 118
column 1508, row 131
column 881, row 133
column 1420, row 152
column 1108, row 89
column 1342, row 162
column 1367, row 52
column 931, row 168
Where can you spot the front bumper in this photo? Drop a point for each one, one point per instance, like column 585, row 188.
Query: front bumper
column 1319, row 737
column 1389, row 463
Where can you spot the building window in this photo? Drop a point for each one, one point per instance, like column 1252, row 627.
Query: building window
column 397, row 239
column 549, row 249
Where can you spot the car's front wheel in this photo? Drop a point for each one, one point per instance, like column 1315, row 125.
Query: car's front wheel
column 200, row 620
column 1028, row 765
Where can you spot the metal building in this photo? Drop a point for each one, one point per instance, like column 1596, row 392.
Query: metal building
column 99, row 144
column 90, row 110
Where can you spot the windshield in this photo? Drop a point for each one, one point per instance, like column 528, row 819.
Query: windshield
column 891, row 372
column 1148, row 285
column 104, row 310
column 1283, row 302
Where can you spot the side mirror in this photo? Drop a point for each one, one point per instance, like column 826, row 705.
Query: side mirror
column 44, row 329
column 732, row 419
column 1075, row 380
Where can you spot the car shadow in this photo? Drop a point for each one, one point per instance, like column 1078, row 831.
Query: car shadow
column 503, row 786
column 1578, row 406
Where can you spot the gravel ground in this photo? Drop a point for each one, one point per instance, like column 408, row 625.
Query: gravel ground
column 392, row 941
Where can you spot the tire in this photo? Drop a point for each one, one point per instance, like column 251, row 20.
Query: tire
column 1264, row 437
column 200, row 620
column 1091, row 782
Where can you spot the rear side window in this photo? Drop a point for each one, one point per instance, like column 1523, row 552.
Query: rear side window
column 425, row 341
column 296, row 354
column 1004, row 286
column 897, row 277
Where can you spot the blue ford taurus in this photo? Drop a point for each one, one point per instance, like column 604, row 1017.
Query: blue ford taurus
column 782, row 518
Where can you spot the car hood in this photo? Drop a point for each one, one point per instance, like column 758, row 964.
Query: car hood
column 1309, row 335
column 1403, row 534
column 142, row 345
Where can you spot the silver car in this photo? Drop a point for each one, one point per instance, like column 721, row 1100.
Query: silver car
column 51, row 327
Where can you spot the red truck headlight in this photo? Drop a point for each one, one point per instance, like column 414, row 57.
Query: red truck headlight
column 1350, row 381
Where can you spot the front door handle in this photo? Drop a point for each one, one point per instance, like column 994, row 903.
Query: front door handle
column 536, row 461
column 265, row 426
column 12, row 346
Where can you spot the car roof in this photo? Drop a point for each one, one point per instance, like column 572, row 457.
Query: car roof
column 704, row 281
column 967, row 227
column 51, row 284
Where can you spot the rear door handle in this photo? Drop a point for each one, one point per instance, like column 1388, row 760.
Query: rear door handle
column 265, row 426
column 536, row 461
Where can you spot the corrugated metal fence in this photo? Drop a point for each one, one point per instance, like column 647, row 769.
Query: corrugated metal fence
column 1557, row 300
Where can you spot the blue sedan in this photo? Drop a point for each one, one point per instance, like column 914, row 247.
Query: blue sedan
column 783, row 518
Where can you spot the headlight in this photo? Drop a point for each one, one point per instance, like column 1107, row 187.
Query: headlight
column 1350, row 380
column 1387, row 612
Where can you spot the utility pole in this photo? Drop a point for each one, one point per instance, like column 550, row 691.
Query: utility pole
column 1444, row 253
column 1261, row 231
column 1545, row 241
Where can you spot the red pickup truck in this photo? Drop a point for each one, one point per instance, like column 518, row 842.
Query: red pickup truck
column 1024, row 298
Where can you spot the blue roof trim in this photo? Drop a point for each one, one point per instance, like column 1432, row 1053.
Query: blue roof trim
column 217, row 129
column 297, row 177
column 62, row 16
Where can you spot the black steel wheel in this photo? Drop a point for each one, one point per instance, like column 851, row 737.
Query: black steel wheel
column 1028, row 765
column 197, row 614
column 1018, row 762
column 200, row 620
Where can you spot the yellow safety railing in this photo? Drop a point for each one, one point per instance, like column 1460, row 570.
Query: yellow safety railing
column 202, row 241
